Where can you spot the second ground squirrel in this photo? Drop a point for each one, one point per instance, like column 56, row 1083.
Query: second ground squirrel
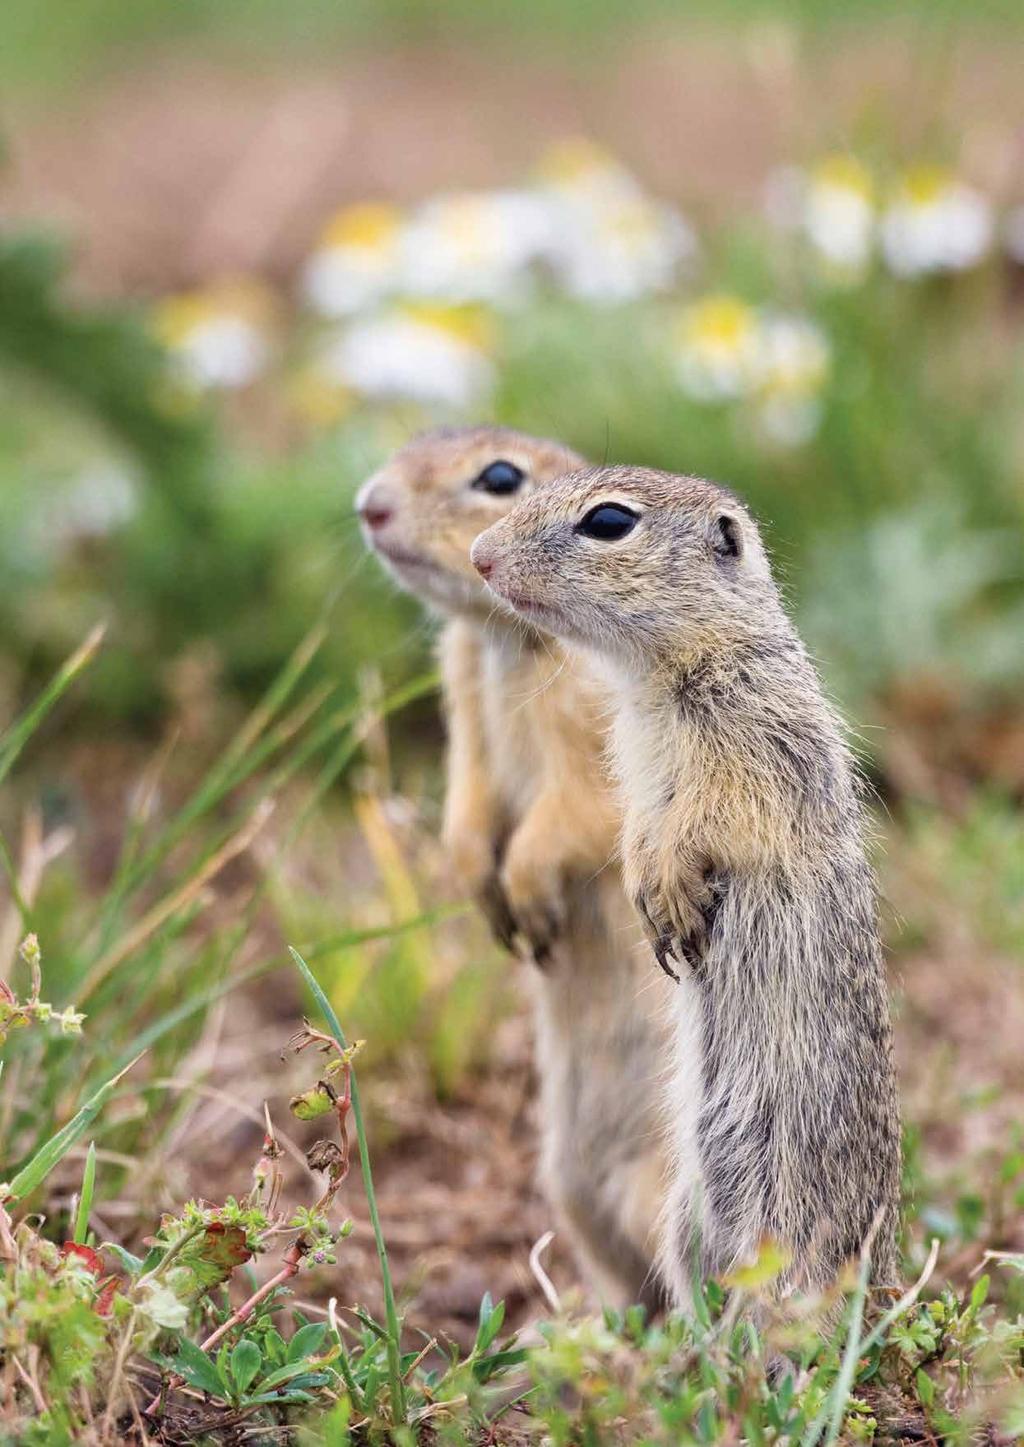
column 743, row 848
column 531, row 823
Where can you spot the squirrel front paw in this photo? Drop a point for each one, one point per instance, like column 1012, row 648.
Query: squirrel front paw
column 534, row 890
column 677, row 922
column 473, row 855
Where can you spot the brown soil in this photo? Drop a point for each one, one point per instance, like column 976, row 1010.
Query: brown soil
column 456, row 1180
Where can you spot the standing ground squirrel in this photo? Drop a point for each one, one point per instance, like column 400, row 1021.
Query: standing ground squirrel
column 531, row 823
column 743, row 849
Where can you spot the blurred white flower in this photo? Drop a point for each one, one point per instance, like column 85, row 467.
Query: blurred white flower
column 416, row 352
column 727, row 350
column 355, row 264
column 716, row 348
column 620, row 250
column 609, row 241
column 1013, row 235
column 935, row 224
column 219, row 336
column 584, row 172
column 793, row 359
column 100, row 500
column 475, row 246
column 839, row 214
column 832, row 205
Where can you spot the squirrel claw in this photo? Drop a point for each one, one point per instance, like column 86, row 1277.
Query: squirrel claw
column 499, row 915
column 541, row 953
column 663, row 952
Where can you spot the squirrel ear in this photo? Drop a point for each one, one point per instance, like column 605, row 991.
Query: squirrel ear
column 726, row 536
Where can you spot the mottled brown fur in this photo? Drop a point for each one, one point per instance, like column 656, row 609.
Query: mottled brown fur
column 531, row 823
column 743, row 848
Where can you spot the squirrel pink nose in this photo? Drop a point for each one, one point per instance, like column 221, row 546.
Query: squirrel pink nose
column 483, row 564
column 375, row 515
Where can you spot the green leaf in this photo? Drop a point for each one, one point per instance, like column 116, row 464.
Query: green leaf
column 307, row 1341
column 274, row 1346
column 198, row 1370
column 246, row 1360
column 85, row 1197
column 132, row 1264
column 57, row 1147
column 491, row 1318
column 284, row 1374
column 368, row 1321
column 499, row 1362
column 925, row 1387
column 979, row 1293
column 280, row 1401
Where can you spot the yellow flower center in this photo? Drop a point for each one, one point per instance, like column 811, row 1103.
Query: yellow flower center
column 469, row 324
column 370, row 226
column 176, row 318
column 924, row 185
column 720, row 323
column 844, row 173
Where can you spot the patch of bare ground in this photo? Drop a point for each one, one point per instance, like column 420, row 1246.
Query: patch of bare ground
column 183, row 166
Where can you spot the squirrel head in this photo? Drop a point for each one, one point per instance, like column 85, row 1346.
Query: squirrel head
column 645, row 566
column 421, row 511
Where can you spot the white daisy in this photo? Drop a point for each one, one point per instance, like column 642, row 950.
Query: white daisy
column 935, row 224
column 610, row 242
column 716, row 348
column 775, row 362
column 839, row 214
column 355, row 264
column 621, row 250
column 420, row 353
column 475, row 246
column 793, row 359
column 219, row 336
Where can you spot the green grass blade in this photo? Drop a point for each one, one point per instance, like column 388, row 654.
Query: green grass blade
column 85, row 1197
column 349, row 940
column 57, row 1147
column 835, row 1403
column 17, row 736
column 390, row 1310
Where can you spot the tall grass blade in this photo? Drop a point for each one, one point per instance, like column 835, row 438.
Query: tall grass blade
column 349, row 940
column 835, row 1404
column 85, row 1197
column 390, row 1310
column 14, row 739
column 57, row 1147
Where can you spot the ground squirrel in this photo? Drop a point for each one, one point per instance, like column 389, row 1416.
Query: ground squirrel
column 743, row 849
column 531, row 823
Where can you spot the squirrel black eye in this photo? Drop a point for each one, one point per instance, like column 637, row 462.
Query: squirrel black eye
column 500, row 478
column 607, row 522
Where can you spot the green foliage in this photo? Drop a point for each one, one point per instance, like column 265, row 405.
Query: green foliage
column 970, row 866
column 214, row 547
column 95, row 1318
column 892, row 525
column 51, row 42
